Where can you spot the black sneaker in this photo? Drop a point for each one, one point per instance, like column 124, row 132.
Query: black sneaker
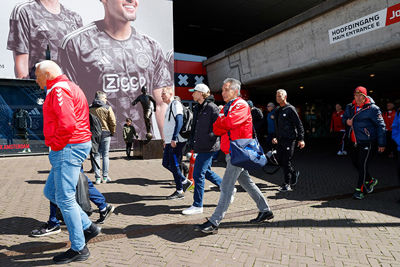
column 187, row 185
column 176, row 195
column 295, row 179
column 207, row 228
column 262, row 216
column 285, row 188
column 72, row 255
column 358, row 194
column 91, row 232
column 46, row 230
column 105, row 214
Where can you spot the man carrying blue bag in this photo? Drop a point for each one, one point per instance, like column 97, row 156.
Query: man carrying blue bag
column 235, row 119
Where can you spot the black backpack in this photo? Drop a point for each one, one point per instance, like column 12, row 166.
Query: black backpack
column 187, row 120
column 95, row 128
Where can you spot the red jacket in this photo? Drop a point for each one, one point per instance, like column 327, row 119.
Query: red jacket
column 238, row 122
column 65, row 114
column 336, row 121
column 388, row 117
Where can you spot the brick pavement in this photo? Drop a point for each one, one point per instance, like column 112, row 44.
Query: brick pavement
column 311, row 227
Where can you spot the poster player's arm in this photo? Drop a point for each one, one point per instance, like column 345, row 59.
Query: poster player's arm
column 18, row 41
column 21, row 68
column 161, row 108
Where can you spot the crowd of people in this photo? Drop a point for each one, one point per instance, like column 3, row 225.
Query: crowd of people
column 360, row 130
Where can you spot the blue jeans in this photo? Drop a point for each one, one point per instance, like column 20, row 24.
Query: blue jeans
column 104, row 148
column 202, row 170
column 60, row 189
column 172, row 159
column 95, row 196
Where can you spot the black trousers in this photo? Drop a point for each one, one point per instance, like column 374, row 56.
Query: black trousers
column 391, row 145
column 398, row 165
column 285, row 152
column 361, row 156
column 128, row 149
column 340, row 140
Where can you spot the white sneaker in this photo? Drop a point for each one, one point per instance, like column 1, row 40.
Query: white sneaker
column 106, row 180
column 98, row 180
column 192, row 210
column 339, row 153
column 233, row 195
column 28, row 150
column 344, row 153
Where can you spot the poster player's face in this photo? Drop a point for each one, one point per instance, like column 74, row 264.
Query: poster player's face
column 122, row 9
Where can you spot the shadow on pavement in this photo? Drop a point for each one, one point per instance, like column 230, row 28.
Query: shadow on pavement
column 43, row 171
column 36, row 246
column 141, row 209
column 35, row 181
column 370, row 203
column 39, row 259
column 123, row 198
column 18, row 225
column 339, row 223
column 142, row 181
column 176, row 233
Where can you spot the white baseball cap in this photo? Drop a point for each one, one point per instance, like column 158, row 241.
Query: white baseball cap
column 201, row 87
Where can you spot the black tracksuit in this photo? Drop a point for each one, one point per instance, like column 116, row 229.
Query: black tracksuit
column 369, row 132
column 288, row 129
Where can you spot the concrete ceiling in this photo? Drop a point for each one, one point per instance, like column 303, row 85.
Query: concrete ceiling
column 207, row 27
column 336, row 84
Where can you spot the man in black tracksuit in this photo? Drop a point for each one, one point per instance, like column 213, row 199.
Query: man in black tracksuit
column 366, row 131
column 289, row 130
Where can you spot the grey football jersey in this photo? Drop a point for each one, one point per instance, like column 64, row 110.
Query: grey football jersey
column 96, row 61
column 33, row 27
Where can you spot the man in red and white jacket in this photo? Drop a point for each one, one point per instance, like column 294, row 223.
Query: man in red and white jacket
column 66, row 130
column 338, row 129
column 235, row 121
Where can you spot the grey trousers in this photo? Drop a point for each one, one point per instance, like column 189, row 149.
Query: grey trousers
column 233, row 173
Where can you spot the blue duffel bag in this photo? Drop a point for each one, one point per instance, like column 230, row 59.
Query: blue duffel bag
column 247, row 153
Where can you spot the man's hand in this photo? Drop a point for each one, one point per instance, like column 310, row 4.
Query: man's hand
column 173, row 143
column 274, row 141
column 301, row 144
column 137, row 136
column 349, row 122
column 381, row 149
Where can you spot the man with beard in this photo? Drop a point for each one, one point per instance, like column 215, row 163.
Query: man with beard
column 36, row 28
column 112, row 56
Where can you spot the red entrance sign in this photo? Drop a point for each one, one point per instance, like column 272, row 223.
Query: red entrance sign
column 393, row 14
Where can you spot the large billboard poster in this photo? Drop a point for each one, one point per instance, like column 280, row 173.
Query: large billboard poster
column 114, row 46
column 21, row 118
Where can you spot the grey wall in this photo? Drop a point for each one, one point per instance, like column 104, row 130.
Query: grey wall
column 304, row 46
